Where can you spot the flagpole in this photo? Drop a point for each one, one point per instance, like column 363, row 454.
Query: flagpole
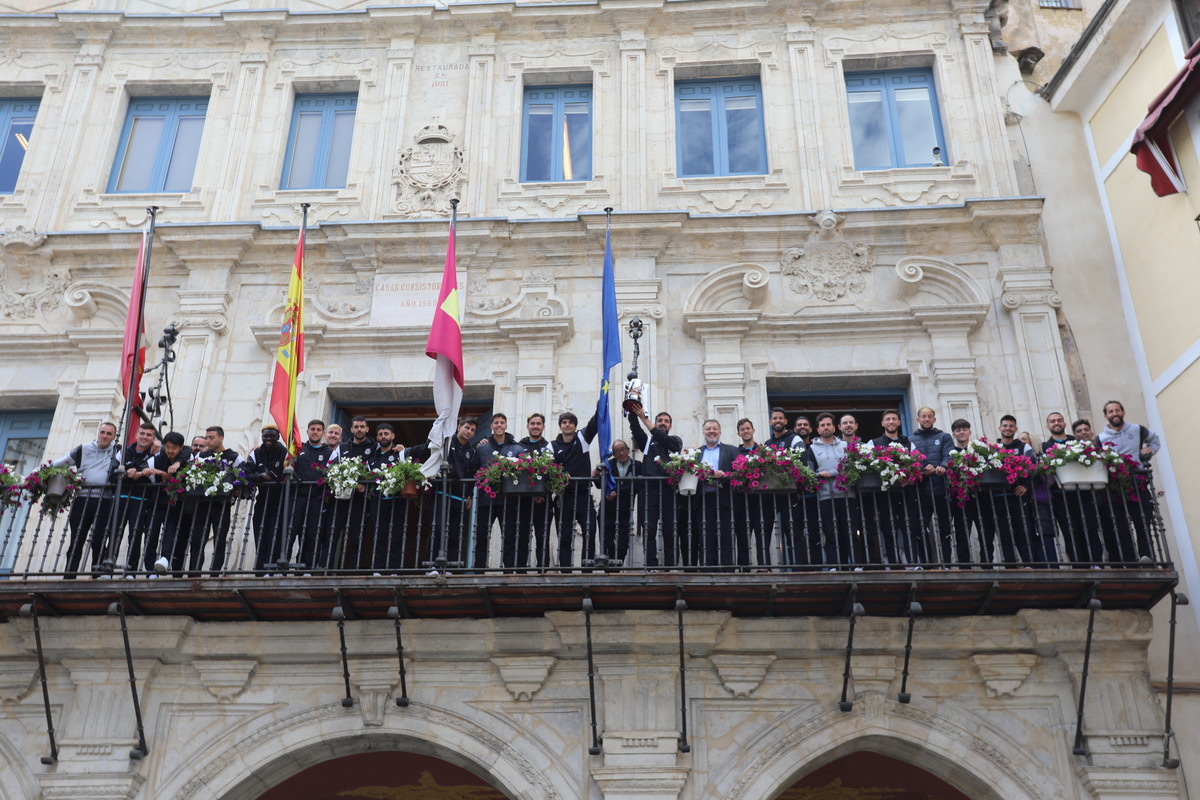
column 289, row 461
column 442, row 560
column 131, row 387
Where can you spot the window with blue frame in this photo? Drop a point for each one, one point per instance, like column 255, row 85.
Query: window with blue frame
column 159, row 145
column 318, row 148
column 556, row 137
column 16, row 123
column 894, row 119
column 719, row 127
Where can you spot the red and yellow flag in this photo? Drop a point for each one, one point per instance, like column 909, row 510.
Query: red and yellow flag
column 133, row 350
column 289, row 359
column 445, row 347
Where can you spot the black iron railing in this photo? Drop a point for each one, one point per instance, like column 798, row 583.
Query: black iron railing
column 299, row 529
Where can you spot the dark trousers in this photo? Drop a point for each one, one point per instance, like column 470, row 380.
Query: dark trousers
column 1003, row 517
column 576, row 509
column 1129, row 512
column 714, row 521
column 803, row 530
column 390, row 532
column 212, row 515
column 448, row 528
column 485, row 516
column 533, row 517
column 88, row 522
column 137, row 514
column 267, row 520
column 351, row 524
column 754, row 517
column 310, row 524
column 962, row 518
column 662, row 511
column 839, row 519
column 935, row 514
column 618, row 524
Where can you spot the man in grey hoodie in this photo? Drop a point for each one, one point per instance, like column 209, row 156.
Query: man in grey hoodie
column 92, row 508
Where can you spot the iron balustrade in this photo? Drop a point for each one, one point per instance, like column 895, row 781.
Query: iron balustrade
column 645, row 525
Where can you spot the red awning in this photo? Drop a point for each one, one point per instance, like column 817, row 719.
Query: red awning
column 1151, row 143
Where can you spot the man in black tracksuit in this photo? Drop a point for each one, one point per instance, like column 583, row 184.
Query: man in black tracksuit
column 138, row 494
column 661, row 504
column 793, row 509
column 899, row 525
column 931, row 492
column 389, row 512
column 264, row 468
column 454, row 494
column 500, row 443
column 571, row 451
column 213, row 513
column 353, row 515
column 533, row 511
column 310, row 519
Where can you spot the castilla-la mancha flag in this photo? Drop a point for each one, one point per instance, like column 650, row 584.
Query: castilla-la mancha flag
column 445, row 347
column 289, row 359
column 133, row 350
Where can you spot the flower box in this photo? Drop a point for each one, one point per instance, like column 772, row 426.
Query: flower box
column 871, row 482
column 1074, row 475
column 772, row 483
column 522, row 484
column 343, row 492
column 56, row 487
column 993, row 478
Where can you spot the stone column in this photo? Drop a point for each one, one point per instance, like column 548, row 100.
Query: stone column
column 480, row 91
column 536, row 340
column 247, row 95
column 635, row 185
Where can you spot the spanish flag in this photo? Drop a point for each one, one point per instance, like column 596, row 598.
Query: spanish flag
column 445, row 347
column 289, row 360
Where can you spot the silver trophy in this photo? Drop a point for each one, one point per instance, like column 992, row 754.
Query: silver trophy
column 634, row 389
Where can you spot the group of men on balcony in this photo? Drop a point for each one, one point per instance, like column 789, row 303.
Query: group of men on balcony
column 294, row 521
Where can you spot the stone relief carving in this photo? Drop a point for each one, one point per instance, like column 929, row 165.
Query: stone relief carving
column 428, row 174
column 536, row 297
column 828, row 266
column 29, row 285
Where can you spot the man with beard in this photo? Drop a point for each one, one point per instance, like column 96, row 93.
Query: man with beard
column 898, row 529
column 713, row 544
column 803, row 428
column 571, row 452
column 1004, row 512
column 966, row 514
column 389, row 512
column 793, row 508
column 213, row 514
column 848, row 428
column 1066, row 508
column 311, row 516
column 454, row 495
column 533, row 511
column 1139, row 443
column 931, row 491
column 352, row 518
column 619, row 502
column 661, row 504
column 264, row 469
column 89, row 515
column 753, row 513
column 137, row 500
column 168, row 511
column 838, row 516
column 499, row 443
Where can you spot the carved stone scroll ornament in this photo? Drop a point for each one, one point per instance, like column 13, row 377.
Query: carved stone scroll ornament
column 428, row 174
column 29, row 286
column 828, row 266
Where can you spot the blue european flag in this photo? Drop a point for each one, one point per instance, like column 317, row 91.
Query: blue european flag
column 612, row 357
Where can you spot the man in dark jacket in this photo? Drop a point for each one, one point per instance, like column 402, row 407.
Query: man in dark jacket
column 660, row 502
column 619, row 503
column 533, row 511
column 453, row 489
column 311, row 516
column 571, row 451
column 899, row 527
column 713, row 506
column 168, row 509
column 264, row 468
column 936, row 446
column 137, row 497
column 352, row 518
column 500, row 443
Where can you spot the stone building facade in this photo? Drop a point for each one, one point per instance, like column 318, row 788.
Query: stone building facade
column 937, row 283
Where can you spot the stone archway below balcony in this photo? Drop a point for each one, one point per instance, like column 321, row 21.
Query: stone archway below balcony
column 246, row 764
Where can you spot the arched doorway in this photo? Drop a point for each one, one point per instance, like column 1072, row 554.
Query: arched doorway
column 867, row 775
column 394, row 775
